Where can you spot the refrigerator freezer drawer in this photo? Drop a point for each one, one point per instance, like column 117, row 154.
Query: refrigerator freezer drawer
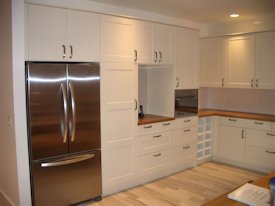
column 67, row 181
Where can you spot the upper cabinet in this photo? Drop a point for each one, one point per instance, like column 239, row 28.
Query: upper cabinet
column 240, row 65
column 153, row 43
column 265, row 60
column 213, row 62
column 117, row 39
column 56, row 34
column 185, row 46
column 243, row 61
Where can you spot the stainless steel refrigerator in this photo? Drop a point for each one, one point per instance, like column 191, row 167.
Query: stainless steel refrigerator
column 64, row 132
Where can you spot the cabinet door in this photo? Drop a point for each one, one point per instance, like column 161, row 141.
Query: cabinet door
column 82, row 36
column 185, row 58
column 163, row 44
column 265, row 60
column 46, row 33
column 117, row 39
column 118, row 122
column 232, row 143
column 213, row 62
column 144, row 42
column 241, row 61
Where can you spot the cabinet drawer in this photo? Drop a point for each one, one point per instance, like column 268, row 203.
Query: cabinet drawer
column 260, row 138
column 186, row 122
column 260, row 157
column 185, row 134
column 256, row 124
column 231, row 121
column 166, row 126
column 148, row 128
column 154, row 162
column 155, row 142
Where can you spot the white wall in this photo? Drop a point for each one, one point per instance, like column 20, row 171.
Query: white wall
column 8, row 171
column 244, row 100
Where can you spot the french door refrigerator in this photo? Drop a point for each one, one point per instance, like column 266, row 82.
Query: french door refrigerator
column 64, row 132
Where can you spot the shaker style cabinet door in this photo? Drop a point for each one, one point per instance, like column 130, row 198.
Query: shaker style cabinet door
column 265, row 60
column 46, row 33
column 82, row 36
column 117, row 39
column 241, row 61
column 213, row 62
column 185, row 58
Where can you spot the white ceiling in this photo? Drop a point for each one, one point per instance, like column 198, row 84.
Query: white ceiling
column 202, row 11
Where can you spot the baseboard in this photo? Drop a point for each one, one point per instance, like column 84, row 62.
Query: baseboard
column 7, row 198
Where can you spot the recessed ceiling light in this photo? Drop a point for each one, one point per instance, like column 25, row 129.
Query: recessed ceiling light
column 234, row 15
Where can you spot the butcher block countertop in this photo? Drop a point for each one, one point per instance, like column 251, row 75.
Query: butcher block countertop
column 255, row 116
column 150, row 118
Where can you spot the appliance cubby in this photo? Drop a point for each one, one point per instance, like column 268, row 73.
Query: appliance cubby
column 205, row 135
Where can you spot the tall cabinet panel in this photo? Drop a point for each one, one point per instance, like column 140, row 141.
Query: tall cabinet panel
column 241, row 61
column 213, row 62
column 118, row 120
column 265, row 60
column 185, row 45
column 46, row 33
column 117, row 41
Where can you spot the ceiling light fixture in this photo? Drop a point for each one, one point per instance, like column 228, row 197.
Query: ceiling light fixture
column 234, row 15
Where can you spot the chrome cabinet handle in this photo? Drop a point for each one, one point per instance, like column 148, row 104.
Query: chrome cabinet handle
column 257, row 83
column 73, row 121
column 157, row 155
column 160, row 56
column 71, row 50
column 232, row 120
column 222, row 82
column 177, row 82
column 270, row 134
column 243, row 134
column 147, row 127
column 188, row 120
column 136, row 104
column 260, row 123
column 157, row 136
column 68, row 161
column 252, row 83
column 156, row 56
column 186, row 147
column 187, row 130
column 64, row 51
column 269, row 152
column 166, row 124
column 135, row 55
column 65, row 108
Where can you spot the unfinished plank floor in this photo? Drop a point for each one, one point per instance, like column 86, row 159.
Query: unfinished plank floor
column 191, row 187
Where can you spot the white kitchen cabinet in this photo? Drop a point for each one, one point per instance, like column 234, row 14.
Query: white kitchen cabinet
column 265, row 60
column 185, row 46
column 152, row 43
column 240, row 61
column 56, row 34
column 118, row 125
column 117, row 39
column 231, row 143
column 213, row 62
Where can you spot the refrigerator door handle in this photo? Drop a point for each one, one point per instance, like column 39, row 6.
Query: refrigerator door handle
column 68, row 161
column 73, row 121
column 65, row 107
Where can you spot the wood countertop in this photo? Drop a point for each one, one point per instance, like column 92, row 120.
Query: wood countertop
column 255, row 116
column 150, row 118
column 225, row 201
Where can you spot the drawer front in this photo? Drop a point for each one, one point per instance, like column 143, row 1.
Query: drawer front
column 154, row 142
column 260, row 157
column 148, row 128
column 256, row 124
column 185, row 151
column 185, row 134
column 154, row 162
column 260, row 138
column 166, row 126
column 231, row 121
column 186, row 122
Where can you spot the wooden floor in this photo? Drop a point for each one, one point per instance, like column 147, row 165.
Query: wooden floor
column 192, row 187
